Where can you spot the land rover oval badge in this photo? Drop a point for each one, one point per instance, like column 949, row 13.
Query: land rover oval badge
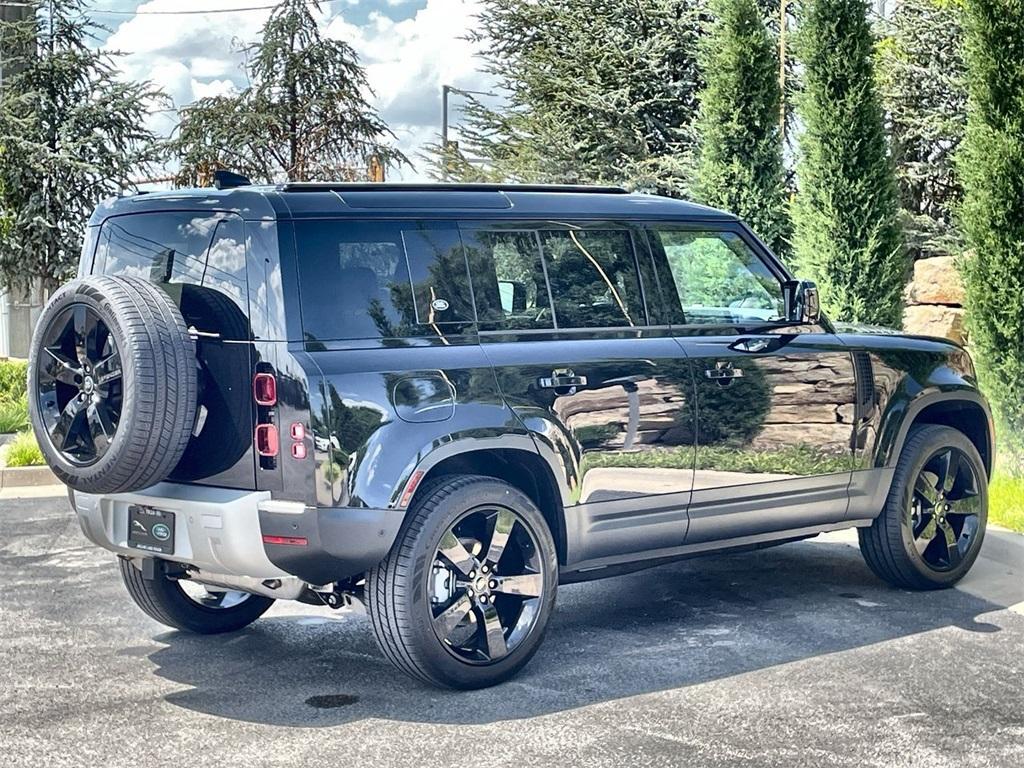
column 439, row 305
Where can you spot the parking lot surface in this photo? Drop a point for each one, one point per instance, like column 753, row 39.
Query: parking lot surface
column 792, row 656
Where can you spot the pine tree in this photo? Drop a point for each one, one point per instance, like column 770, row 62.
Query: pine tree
column 71, row 132
column 923, row 85
column 304, row 115
column 846, row 232
column 597, row 91
column 991, row 164
column 740, row 161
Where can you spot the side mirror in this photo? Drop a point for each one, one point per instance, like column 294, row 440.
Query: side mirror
column 802, row 304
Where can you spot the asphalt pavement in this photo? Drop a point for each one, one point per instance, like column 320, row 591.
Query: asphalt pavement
column 791, row 656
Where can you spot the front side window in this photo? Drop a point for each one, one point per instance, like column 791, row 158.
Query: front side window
column 367, row 280
column 714, row 278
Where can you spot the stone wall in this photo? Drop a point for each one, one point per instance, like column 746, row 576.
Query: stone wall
column 934, row 300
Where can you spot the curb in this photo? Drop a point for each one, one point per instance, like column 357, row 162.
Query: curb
column 20, row 477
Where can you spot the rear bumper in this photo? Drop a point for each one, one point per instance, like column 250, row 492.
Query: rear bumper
column 221, row 530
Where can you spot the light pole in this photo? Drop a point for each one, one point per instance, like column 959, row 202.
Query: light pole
column 446, row 91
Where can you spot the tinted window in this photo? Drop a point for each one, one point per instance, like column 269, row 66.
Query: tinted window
column 593, row 278
column 159, row 247
column 589, row 274
column 177, row 249
column 508, row 279
column 361, row 280
column 715, row 278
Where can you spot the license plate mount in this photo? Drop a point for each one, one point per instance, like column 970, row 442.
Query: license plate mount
column 151, row 530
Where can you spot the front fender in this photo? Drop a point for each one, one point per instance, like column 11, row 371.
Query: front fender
column 910, row 376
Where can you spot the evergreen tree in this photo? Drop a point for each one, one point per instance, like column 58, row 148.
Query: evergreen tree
column 740, row 163
column 598, row 91
column 304, row 115
column 923, row 85
column 992, row 167
column 846, row 232
column 72, row 134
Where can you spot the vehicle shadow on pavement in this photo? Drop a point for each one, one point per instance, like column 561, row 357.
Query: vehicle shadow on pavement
column 674, row 626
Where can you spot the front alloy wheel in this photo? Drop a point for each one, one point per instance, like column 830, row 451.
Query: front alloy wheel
column 929, row 532
column 945, row 509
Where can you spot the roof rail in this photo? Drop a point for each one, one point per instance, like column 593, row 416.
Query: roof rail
column 358, row 186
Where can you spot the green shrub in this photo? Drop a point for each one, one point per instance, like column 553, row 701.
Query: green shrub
column 13, row 379
column 14, row 415
column 24, row 452
column 740, row 167
column 991, row 163
column 846, row 231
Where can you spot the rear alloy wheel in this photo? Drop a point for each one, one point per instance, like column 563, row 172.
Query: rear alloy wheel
column 464, row 596
column 931, row 529
column 486, row 584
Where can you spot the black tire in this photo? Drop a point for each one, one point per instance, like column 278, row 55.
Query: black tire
column 155, row 398
column 888, row 545
column 163, row 600
column 398, row 599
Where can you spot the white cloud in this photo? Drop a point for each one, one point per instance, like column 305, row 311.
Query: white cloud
column 407, row 60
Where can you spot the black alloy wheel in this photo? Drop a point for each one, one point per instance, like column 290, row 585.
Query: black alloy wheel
column 931, row 528
column 463, row 598
column 486, row 585
column 80, row 385
column 944, row 515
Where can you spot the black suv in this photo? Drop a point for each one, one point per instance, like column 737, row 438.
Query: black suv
column 444, row 401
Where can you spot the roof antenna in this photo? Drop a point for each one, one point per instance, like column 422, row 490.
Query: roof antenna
column 229, row 180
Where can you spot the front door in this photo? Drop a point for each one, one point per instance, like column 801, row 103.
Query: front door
column 775, row 402
column 564, row 323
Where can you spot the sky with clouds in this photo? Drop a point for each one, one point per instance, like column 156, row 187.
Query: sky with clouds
column 409, row 48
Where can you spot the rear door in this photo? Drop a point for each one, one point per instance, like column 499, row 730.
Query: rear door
column 563, row 320
column 775, row 402
column 199, row 259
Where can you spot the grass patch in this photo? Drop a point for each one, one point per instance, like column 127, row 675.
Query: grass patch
column 23, row 451
column 1006, row 502
column 14, row 415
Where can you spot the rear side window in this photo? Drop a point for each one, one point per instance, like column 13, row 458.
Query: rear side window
column 555, row 277
column 366, row 280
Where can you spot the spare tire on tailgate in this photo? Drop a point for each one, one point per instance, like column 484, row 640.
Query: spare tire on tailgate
column 112, row 384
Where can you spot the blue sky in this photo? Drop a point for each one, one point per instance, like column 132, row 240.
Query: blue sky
column 410, row 48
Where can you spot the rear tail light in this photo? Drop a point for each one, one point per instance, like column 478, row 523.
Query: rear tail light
column 298, row 450
column 264, row 389
column 267, row 441
column 298, row 431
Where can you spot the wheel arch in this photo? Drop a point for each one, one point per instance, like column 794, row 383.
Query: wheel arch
column 964, row 410
column 522, row 468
